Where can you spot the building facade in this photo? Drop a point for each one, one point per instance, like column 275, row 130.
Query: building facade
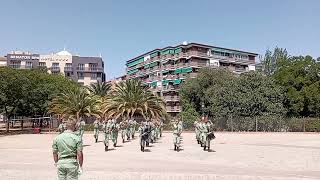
column 22, row 60
column 3, row 61
column 84, row 70
column 163, row 70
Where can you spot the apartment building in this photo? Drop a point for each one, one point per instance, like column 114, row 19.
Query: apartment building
column 22, row 60
column 163, row 70
column 84, row 70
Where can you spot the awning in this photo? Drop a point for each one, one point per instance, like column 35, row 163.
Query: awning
column 132, row 71
column 177, row 71
column 186, row 70
column 178, row 50
column 177, row 81
column 138, row 61
column 154, row 54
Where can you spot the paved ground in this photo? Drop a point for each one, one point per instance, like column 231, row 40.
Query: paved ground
column 236, row 156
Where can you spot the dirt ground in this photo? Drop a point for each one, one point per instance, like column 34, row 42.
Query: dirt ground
column 235, row 156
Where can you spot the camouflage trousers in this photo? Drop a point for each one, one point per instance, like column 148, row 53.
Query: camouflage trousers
column 68, row 169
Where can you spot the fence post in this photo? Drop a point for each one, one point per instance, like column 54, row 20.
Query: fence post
column 256, row 123
column 231, row 123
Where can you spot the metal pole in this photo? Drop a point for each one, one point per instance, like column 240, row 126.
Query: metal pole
column 231, row 123
column 256, row 123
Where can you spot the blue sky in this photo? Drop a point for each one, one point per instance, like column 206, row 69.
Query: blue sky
column 121, row 30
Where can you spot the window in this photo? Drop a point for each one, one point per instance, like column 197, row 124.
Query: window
column 28, row 64
column 94, row 76
column 55, row 64
column 93, row 66
column 80, row 76
column 68, row 64
column 15, row 65
column 42, row 64
column 80, row 66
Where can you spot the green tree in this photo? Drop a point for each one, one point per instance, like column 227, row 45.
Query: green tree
column 14, row 86
column 236, row 103
column 130, row 98
column 75, row 103
column 300, row 78
column 100, row 89
column 273, row 60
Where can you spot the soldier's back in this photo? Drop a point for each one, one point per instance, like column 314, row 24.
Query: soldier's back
column 67, row 144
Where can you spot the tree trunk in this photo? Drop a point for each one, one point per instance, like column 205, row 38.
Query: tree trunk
column 7, row 117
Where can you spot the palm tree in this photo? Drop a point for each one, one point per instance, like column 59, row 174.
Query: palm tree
column 73, row 103
column 130, row 98
column 100, row 89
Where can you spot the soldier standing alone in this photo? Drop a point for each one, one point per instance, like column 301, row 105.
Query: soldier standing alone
column 67, row 153
column 177, row 130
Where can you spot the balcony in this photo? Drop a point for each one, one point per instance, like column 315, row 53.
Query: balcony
column 15, row 66
column 198, row 54
column 233, row 60
column 28, row 67
column 55, row 69
column 68, row 69
column 171, row 88
column 173, row 108
column 198, row 64
column 172, row 98
column 168, row 66
column 89, row 69
column 192, row 75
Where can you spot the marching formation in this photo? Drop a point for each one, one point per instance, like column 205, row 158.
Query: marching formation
column 67, row 147
column 149, row 131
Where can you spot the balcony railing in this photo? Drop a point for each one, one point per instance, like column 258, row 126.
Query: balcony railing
column 173, row 108
column 171, row 98
column 16, row 66
column 68, row 69
column 89, row 69
column 55, row 69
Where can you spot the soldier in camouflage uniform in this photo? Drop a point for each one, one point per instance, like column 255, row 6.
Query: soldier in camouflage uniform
column 205, row 129
column 123, row 127
column 160, row 127
column 67, row 153
column 62, row 127
column 96, row 126
column 128, row 132
column 115, row 132
column 133, row 128
column 109, row 126
column 143, row 134
column 196, row 125
column 177, row 131
column 80, row 128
